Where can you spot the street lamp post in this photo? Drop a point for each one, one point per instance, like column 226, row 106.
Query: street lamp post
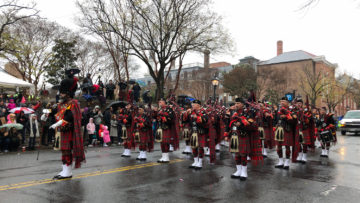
column 215, row 83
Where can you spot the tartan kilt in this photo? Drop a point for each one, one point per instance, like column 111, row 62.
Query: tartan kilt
column 244, row 145
column 288, row 139
column 269, row 135
column 166, row 136
column 202, row 140
column 143, row 137
column 307, row 136
column 66, row 140
column 130, row 137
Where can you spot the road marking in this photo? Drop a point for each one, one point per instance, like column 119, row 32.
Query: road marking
column 83, row 175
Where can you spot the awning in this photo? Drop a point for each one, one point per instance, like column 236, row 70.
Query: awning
column 9, row 81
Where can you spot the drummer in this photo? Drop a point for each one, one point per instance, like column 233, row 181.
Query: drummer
column 327, row 131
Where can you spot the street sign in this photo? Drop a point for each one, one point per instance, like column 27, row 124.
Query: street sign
column 289, row 96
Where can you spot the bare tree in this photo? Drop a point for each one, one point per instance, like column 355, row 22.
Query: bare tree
column 31, row 44
column 336, row 90
column 12, row 11
column 118, row 48
column 158, row 31
column 271, row 84
column 92, row 56
column 313, row 82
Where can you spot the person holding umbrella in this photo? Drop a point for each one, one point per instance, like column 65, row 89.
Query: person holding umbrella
column 9, row 136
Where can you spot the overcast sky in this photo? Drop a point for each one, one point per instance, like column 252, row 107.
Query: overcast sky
column 328, row 28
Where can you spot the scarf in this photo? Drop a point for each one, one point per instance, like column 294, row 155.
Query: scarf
column 36, row 126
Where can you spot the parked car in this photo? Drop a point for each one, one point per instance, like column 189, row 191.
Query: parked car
column 350, row 122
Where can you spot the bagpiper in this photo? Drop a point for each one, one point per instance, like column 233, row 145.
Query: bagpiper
column 186, row 129
column 142, row 132
column 244, row 139
column 285, row 134
column 326, row 131
column 306, row 127
column 125, row 119
column 199, row 132
column 68, row 117
column 266, row 132
column 166, row 133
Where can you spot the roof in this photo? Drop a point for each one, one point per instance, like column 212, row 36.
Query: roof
column 219, row 64
column 291, row 56
column 9, row 81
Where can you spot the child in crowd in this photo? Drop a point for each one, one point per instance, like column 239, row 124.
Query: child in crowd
column 91, row 132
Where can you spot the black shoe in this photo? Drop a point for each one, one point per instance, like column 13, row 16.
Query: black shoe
column 139, row 159
column 198, row 168
column 264, row 156
column 303, row 162
column 286, row 167
column 127, row 156
column 242, row 178
column 325, row 156
column 143, row 159
column 235, row 177
column 59, row 177
column 191, row 166
column 279, row 166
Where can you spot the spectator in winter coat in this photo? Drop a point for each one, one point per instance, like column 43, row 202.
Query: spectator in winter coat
column 22, row 119
column 110, row 90
column 90, row 127
column 11, row 105
column 97, row 115
column 33, row 128
column 114, row 128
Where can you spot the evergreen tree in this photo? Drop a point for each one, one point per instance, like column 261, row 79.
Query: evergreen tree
column 64, row 57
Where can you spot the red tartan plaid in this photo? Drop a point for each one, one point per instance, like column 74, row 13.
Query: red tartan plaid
column 77, row 137
column 66, row 140
column 307, row 137
column 202, row 140
column 244, row 145
column 143, row 138
column 288, row 139
column 129, row 133
column 269, row 136
column 129, row 142
column 66, row 157
column 166, row 136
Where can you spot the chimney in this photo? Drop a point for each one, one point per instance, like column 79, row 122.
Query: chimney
column 206, row 59
column 279, row 47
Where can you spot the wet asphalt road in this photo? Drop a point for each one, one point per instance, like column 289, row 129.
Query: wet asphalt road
column 107, row 177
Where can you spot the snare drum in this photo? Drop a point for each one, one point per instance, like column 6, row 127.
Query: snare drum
column 326, row 136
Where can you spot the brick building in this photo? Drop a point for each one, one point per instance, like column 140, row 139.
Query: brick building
column 297, row 71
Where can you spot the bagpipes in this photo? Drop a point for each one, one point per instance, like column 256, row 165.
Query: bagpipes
column 139, row 123
column 122, row 118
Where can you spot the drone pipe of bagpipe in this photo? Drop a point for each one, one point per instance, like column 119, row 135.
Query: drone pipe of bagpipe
column 253, row 105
